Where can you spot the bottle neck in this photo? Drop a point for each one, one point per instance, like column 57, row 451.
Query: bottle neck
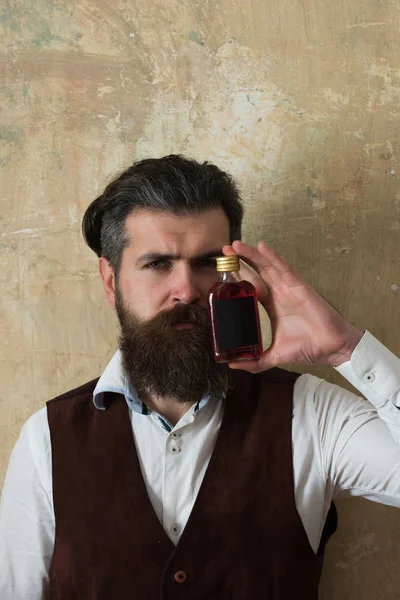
column 228, row 276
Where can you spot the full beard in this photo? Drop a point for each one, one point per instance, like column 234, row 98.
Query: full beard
column 164, row 362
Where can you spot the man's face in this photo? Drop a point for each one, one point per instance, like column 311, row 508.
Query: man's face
column 161, row 301
column 168, row 260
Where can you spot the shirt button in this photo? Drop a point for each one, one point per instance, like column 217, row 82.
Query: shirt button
column 175, row 529
column 369, row 377
column 176, row 436
column 175, row 449
column 180, row 577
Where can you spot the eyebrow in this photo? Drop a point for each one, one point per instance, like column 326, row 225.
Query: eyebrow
column 149, row 257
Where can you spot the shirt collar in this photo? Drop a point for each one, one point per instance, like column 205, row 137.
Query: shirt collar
column 113, row 379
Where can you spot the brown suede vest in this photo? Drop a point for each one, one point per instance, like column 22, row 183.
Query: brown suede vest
column 244, row 539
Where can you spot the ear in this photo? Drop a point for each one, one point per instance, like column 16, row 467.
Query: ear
column 108, row 279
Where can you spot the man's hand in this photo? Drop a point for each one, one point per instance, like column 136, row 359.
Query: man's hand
column 305, row 327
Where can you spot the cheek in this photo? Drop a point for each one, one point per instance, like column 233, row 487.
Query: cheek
column 145, row 296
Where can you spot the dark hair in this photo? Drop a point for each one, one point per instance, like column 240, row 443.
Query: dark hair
column 171, row 184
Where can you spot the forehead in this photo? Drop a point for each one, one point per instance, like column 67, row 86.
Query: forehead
column 166, row 232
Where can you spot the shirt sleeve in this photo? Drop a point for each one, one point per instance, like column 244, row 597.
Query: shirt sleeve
column 360, row 440
column 27, row 516
column 375, row 372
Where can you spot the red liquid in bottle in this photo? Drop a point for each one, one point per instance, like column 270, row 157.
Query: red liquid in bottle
column 235, row 320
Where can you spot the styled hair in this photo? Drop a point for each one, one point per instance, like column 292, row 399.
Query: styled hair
column 172, row 184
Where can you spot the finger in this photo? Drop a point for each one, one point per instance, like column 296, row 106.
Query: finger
column 273, row 269
column 272, row 257
column 250, row 254
column 278, row 265
column 268, row 360
column 251, row 366
column 229, row 251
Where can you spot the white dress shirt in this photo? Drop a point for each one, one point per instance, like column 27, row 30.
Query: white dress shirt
column 342, row 445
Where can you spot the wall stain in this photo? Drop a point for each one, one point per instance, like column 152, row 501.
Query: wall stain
column 195, row 37
column 10, row 135
column 45, row 38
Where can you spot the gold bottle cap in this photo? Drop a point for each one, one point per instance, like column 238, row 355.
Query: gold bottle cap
column 228, row 263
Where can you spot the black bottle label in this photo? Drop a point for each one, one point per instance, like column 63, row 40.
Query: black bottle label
column 236, row 323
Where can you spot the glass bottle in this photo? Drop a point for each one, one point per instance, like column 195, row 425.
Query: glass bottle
column 234, row 315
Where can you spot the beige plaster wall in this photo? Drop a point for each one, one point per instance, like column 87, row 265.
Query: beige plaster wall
column 299, row 100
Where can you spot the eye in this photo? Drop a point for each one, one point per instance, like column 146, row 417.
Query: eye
column 157, row 265
column 207, row 262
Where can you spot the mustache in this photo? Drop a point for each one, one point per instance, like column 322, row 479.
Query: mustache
column 192, row 313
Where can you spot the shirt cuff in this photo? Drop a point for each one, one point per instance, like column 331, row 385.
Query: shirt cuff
column 374, row 371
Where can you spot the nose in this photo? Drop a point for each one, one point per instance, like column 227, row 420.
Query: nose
column 185, row 288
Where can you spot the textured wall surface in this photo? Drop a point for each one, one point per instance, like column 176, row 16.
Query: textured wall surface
column 299, row 100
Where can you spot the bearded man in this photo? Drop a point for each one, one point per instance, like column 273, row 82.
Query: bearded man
column 172, row 476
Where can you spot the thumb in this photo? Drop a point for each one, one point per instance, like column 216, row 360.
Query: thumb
column 268, row 360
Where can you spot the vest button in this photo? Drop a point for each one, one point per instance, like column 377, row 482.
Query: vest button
column 180, row 577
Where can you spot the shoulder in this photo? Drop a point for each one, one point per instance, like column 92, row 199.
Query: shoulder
column 72, row 405
column 83, row 391
column 34, row 432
